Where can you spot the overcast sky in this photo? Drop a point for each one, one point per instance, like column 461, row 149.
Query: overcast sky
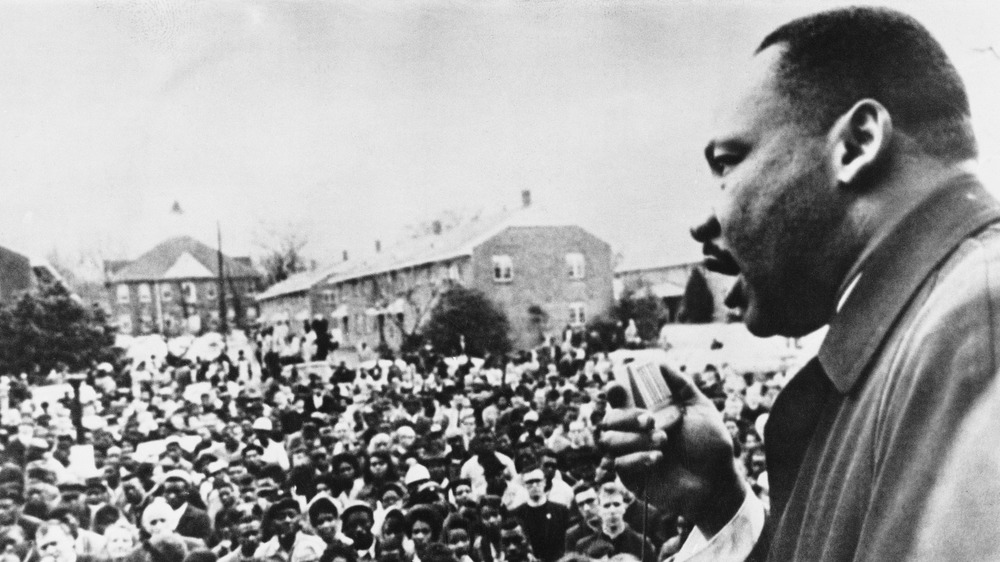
column 347, row 120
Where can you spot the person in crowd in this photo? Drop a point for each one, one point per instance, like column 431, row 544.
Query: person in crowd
column 458, row 536
column 324, row 519
column 544, row 521
column 186, row 519
column 612, row 499
column 585, row 500
column 514, row 543
column 246, row 539
column 55, row 543
column 288, row 543
column 120, row 539
column 423, row 527
column 358, row 520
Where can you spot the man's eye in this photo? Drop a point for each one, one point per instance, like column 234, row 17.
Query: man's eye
column 722, row 163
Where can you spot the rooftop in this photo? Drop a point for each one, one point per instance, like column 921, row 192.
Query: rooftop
column 182, row 257
column 432, row 248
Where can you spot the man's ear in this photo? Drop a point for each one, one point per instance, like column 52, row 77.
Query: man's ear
column 860, row 139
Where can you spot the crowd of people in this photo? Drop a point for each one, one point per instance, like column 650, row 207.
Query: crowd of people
column 424, row 458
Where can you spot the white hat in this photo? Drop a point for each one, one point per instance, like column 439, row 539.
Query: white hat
column 531, row 415
column 177, row 475
column 263, row 424
column 416, row 473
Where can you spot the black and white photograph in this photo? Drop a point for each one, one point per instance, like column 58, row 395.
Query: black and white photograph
column 499, row 280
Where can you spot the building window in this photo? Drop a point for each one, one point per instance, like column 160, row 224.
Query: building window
column 167, row 293
column 576, row 265
column 123, row 296
column 190, row 291
column 345, row 325
column 454, row 272
column 145, row 295
column 503, row 269
column 211, row 292
column 577, row 313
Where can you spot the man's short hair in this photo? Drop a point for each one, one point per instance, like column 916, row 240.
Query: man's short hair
column 836, row 58
column 609, row 488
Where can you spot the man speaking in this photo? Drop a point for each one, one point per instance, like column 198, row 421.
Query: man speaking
column 845, row 161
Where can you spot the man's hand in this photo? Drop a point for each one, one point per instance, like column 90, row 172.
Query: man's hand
column 679, row 457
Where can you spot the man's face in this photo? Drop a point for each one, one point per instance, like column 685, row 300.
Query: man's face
column 549, row 466
column 327, row 524
column 514, row 545
column 358, row 527
column 157, row 524
column 462, row 491
column 175, row 492
column 97, row 495
column 227, row 496
column 458, row 542
column 286, row 522
column 534, row 482
column 56, row 544
column 421, row 533
column 251, row 457
column 406, row 438
column 248, row 536
column 612, row 508
column 119, row 540
column 8, row 511
column 588, row 508
column 780, row 209
column 133, row 490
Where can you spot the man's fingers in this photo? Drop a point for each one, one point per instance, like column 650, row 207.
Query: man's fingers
column 621, row 443
column 631, row 419
column 637, row 464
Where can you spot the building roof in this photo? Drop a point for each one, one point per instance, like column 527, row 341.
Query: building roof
column 182, row 257
column 451, row 244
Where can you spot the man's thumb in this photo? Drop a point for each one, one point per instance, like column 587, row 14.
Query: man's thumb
column 682, row 387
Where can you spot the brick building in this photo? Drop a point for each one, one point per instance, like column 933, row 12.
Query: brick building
column 543, row 274
column 174, row 289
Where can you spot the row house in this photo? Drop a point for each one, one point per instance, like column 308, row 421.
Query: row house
column 542, row 273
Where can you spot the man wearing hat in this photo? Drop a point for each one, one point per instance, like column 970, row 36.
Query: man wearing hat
column 288, row 543
column 358, row 519
column 11, row 504
column 274, row 451
column 324, row 516
column 190, row 521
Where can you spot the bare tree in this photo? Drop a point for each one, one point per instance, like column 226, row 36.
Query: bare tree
column 281, row 253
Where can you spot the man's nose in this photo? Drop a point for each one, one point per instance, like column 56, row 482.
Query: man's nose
column 717, row 258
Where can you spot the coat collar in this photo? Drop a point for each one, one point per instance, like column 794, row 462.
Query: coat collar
column 894, row 272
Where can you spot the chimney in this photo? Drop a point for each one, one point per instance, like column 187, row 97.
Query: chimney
column 526, row 198
column 345, row 255
column 378, row 246
column 436, row 227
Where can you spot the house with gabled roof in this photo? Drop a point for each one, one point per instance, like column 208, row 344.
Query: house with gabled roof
column 174, row 289
column 544, row 272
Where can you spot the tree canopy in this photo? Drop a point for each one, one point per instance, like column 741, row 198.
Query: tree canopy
column 462, row 312
column 697, row 305
column 50, row 328
column 639, row 304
